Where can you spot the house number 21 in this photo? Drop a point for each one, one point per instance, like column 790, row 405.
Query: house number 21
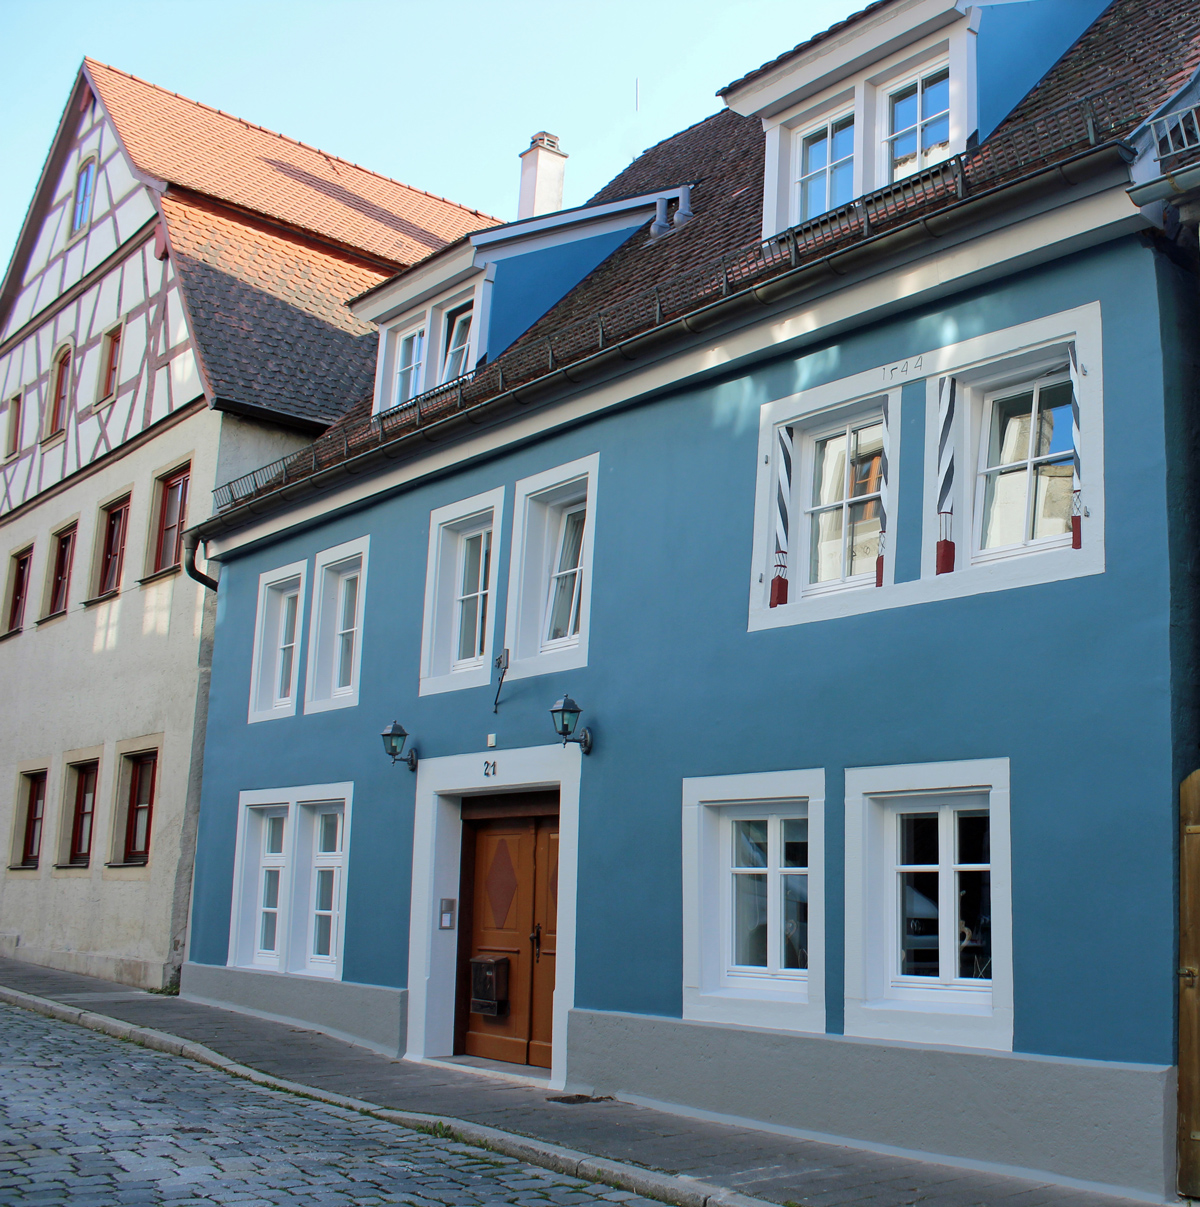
column 489, row 766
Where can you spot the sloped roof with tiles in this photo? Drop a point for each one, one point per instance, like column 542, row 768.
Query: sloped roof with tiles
column 182, row 142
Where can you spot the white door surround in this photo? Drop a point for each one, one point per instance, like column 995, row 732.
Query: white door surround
column 437, row 858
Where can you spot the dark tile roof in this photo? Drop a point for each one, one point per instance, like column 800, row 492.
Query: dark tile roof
column 268, row 313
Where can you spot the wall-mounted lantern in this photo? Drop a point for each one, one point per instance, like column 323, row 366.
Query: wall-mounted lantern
column 565, row 715
column 394, row 737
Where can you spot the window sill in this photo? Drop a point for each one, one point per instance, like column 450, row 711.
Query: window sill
column 55, row 438
column 10, row 633
column 97, row 599
column 329, row 703
column 166, row 572
column 548, row 662
column 479, row 675
column 130, row 863
column 22, row 867
column 104, row 403
column 953, row 1023
column 53, row 616
column 73, row 867
column 773, row 1010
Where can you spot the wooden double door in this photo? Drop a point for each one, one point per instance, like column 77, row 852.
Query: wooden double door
column 510, row 910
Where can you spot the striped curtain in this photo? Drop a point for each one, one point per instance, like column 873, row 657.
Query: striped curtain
column 1076, row 506
column 783, row 503
column 947, row 395
column 883, row 492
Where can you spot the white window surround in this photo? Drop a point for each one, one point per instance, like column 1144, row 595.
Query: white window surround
column 866, row 94
column 875, row 1007
column 447, row 527
column 301, row 808
column 1008, row 351
column 331, row 567
column 273, row 586
column 538, row 506
column 787, row 1002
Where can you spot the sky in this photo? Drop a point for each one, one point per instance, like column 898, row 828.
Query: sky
column 441, row 94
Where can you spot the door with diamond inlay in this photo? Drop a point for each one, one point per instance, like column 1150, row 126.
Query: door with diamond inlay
column 510, row 870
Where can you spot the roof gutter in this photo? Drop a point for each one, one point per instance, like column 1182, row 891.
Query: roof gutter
column 1170, row 187
column 1068, row 173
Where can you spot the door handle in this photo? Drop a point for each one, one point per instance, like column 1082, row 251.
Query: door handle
column 536, row 939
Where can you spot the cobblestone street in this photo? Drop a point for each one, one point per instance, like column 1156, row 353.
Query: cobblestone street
column 92, row 1121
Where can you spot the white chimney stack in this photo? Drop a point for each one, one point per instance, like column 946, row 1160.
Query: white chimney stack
column 541, row 176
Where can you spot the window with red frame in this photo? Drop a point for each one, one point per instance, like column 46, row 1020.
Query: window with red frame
column 84, row 812
column 60, row 584
column 62, row 388
column 18, row 590
column 143, row 769
column 172, row 515
column 35, row 811
column 112, row 555
column 12, row 444
column 112, row 360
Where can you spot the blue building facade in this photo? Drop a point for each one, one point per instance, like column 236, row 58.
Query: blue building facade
column 886, row 854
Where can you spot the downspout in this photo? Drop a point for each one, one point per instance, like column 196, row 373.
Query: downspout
column 191, row 539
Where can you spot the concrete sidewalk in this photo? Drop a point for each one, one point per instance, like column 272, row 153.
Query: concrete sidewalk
column 787, row 1170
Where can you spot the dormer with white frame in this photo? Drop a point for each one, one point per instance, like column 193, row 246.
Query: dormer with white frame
column 470, row 301
column 899, row 88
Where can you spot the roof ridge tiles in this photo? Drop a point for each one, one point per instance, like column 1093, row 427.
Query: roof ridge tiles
column 93, row 63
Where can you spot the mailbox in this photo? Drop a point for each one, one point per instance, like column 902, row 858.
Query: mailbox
column 489, row 985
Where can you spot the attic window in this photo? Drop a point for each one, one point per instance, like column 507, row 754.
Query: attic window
column 85, row 185
column 919, row 129
column 458, row 339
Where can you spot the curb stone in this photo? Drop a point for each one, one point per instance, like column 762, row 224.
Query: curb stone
column 679, row 1190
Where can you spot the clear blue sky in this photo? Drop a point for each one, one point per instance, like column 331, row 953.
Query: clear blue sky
column 441, row 94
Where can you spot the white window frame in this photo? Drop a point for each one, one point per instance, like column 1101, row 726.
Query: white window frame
column 330, row 568
column 885, row 137
column 539, row 505
column 448, row 526
column 714, row 990
column 273, row 587
column 453, row 318
column 300, row 806
column 1010, row 350
column 418, row 331
column 879, row 1003
column 799, row 137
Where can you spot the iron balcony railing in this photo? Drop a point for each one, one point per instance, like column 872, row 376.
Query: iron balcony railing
column 1176, row 132
column 1088, row 121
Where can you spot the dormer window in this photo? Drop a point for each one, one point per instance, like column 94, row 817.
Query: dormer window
column 826, row 161
column 919, row 125
column 410, row 359
column 458, row 339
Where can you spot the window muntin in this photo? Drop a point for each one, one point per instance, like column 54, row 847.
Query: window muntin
column 83, row 814
column 565, row 595
column 768, row 893
column 1025, row 480
column 12, row 444
column 410, row 360
column 60, row 581
column 112, row 552
column 110, row 364
column 35, row 814
column 471, row 604
column 60, row 392
column 845, row 511
column 18, row 591
column 458, row 340
column 85, row 185
column 919, row 124
column 172, row 518
column 942, row 897
column 826, row 163
column 143, row 772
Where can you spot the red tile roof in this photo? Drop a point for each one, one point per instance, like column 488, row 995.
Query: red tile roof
column 185, row 143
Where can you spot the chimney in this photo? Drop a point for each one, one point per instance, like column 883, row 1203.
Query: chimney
column 541, row 176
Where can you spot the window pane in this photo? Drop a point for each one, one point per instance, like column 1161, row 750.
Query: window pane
column 816, row 152
column 322, row 935
column 826, row 546
column 935, row 93
column 919, row 923
column 904, row 155
column 274, row 836
column 325, row 889
column 843, row 139
column 572, row 541
column 472, row 547
column 974, row 842
column 271, row 888
column 1010, row 430
column 975, row 925
column 904, row 109
column 795, row 842
column 349, row 601
column 140, row 826
column 841, row 184
column 1004, row 509
column 750, row 920
column 1054, row 434
column 327, row 835
column 289, row 620
column 919, row 840
column 935, row 139
column 866, row 467
column 749, row 844
column 285, row 672
column 812, row 197
column 829, row 478
column 864, row 537
column 795, row 922
column 468, row 626
column 1053, row 484
column 561, row 606
column 267, row 940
